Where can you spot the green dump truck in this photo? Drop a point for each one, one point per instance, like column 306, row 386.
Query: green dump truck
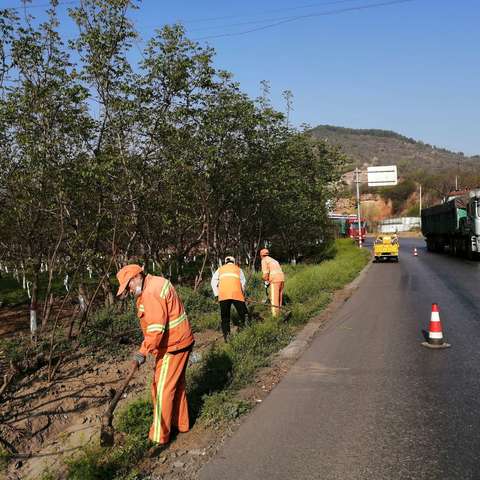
column 454, row 225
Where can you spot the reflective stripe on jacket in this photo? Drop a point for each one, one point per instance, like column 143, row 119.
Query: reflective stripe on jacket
column 231, row 282
column 163, row 320
column 272, row 271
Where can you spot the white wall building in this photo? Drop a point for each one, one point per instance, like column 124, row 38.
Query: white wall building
column 401, row 224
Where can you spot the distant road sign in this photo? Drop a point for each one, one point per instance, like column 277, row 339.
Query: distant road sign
column 382, row 176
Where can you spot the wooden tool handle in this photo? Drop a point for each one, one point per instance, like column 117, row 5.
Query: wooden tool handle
column 107, row 416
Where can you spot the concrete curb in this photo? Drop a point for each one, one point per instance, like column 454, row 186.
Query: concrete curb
column 304, row 337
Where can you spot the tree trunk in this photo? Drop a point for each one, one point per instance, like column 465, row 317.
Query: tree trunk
column 82, row 298
column 107, row 290
column 34, row 307
column 47, row 310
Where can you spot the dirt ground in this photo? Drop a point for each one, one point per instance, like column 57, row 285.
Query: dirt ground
column 47, row 422
column 13, row 320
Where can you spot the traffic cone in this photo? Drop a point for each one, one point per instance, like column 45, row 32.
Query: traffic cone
column 435, row 334
column 415, row 253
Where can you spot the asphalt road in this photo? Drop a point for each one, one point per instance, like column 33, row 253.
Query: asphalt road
column 366, row 400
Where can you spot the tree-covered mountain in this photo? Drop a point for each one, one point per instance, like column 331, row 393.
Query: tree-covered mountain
column 384, row 147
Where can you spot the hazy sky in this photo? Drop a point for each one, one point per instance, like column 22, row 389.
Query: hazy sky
column 412, row 67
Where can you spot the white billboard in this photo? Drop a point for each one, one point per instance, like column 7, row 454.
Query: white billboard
column 382, row 176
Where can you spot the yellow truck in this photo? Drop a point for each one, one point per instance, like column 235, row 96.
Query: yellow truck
column 386, row 247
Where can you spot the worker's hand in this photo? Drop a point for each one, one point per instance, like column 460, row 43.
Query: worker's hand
column 138, row 359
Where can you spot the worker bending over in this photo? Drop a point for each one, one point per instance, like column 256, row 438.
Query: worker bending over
column 168, row 337
column 228, row 284
column 273, row 276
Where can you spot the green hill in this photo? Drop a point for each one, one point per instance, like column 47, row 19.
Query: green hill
column 384, row 147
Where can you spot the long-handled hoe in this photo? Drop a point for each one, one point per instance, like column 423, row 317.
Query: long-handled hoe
column 107, row 432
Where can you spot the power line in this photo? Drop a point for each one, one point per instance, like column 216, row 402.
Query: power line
column 299, row 7
column 301, row 17
column 43, row 5
column 256, row 22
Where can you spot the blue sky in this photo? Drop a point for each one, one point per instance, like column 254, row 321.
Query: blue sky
column 411, row 67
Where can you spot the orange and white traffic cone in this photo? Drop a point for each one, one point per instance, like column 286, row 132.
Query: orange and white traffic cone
column 435, row 333
column 415, row 253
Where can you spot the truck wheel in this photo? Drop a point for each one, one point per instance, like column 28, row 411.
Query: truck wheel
column 429, row 245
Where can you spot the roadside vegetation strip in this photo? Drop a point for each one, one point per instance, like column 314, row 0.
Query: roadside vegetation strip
column 214, row 381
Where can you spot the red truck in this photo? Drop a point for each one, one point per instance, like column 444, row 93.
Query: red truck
column 352, row 228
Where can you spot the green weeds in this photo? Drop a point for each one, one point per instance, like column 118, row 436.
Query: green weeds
column 4, row 459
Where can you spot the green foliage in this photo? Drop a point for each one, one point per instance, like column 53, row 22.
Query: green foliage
column 206, row 321
column 212, row 375
column 251, row 348
column 106, row 325
column 305, row 282
column 135, row 418
column 399, row 194
column 11, row 292
column 413, row 211
column 96, row 463
column 373, row 132
column 4, row 459
column 88, row 466
column 197, row 302
column 84, row 186
column 13, row 349
column 48, row 475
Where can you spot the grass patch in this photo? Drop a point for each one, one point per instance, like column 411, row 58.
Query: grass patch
column 135, row 418
column 12, row 293
column 96, row 463
column 4, row 459
column 222, row 407
column 251, row 349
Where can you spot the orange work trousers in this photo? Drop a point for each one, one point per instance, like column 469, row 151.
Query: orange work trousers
column 276, row 297
column 170, row 406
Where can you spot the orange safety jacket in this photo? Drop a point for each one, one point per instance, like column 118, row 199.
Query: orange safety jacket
column 229, row 283
column 163, row 320
column 272, row 271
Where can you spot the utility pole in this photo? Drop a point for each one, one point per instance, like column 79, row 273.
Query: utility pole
column 420, row 205
column 420, row 200
column 357, row 181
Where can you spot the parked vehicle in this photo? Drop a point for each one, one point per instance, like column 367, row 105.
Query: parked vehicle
column 353, row 231
column 386, row 247
column 454, row 225
column 341, row 223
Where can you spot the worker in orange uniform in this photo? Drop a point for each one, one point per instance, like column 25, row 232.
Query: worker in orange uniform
column 274, row 277
column 228, row 284
column 168, row 337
